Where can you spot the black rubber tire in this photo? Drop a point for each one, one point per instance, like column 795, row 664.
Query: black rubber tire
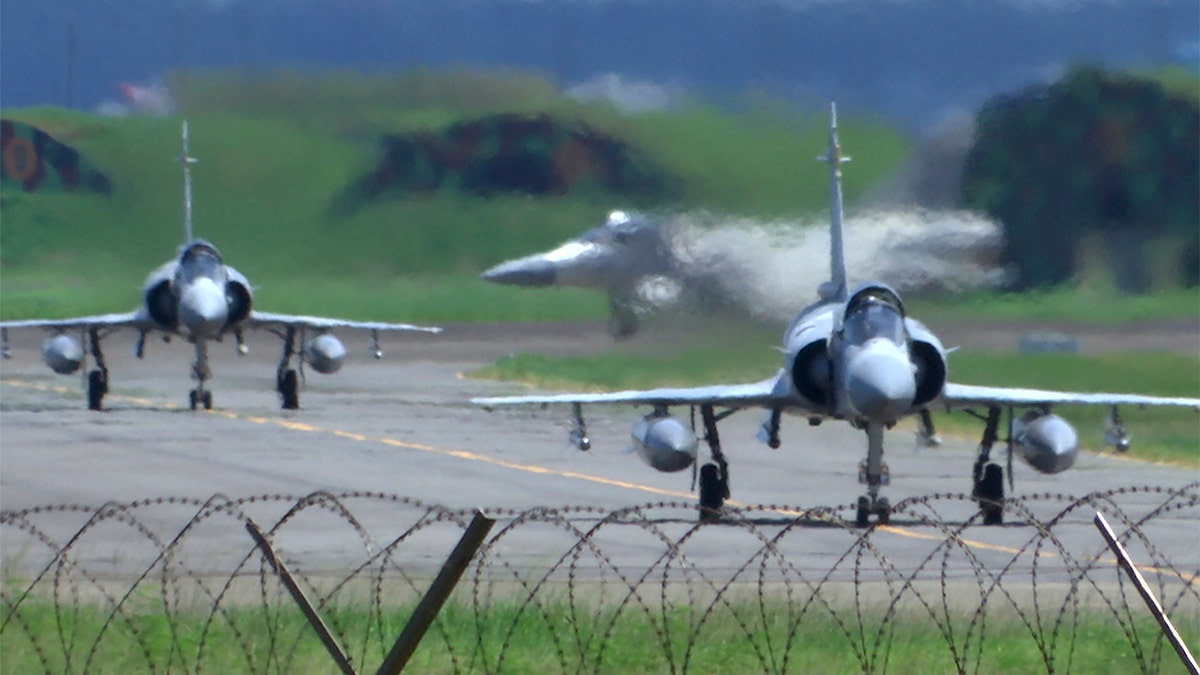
column 289, row 389
column 991, row 495
column 712, row 493
column 862, row 515
column 97, row 387
column 207, row 400
column 883, row 511
column 193, row 399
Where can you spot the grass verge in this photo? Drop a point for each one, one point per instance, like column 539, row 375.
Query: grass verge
column 552, row 637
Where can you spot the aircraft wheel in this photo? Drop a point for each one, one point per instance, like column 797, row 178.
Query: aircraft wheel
column 883, row 511
column 206, row 399
column 96, row 388
column 622, row 323
column 193, row 399
column 991, row 495
column 712, row 493
column 862, row 515
column 289, row 389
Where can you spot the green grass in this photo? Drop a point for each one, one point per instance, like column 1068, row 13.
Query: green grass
column 550, row 637
column 277, row 154
column 1088, row 305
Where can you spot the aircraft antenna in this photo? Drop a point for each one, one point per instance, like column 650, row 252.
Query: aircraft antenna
column 837, row 255
column 187, row 160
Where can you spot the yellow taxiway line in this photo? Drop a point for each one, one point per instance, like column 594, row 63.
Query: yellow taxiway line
column 292, row 425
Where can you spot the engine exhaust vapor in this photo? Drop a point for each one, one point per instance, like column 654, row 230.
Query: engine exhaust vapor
column 768, row 269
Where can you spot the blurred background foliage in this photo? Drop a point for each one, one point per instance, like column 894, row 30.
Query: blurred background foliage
column 1095, row 175
column 1094, row 179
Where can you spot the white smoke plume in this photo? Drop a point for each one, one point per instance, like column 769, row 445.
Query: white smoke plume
column 772, row 269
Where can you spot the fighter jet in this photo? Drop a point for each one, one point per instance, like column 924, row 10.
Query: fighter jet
column 629, row 257
column 198, row 298
column 702, row 263
column 854, row 355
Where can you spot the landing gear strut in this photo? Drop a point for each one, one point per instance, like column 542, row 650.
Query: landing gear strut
column 579, row 435
column 714, row 476
column 97, row 382
column 874, row 473
column 988, row 489
column 200, row 397
column 926, row 433
column 286, row 381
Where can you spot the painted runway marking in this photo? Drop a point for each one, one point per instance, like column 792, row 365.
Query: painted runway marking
column 536, row 469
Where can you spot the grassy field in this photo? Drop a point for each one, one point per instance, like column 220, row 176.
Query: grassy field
column 275, row 159
column 553, row 638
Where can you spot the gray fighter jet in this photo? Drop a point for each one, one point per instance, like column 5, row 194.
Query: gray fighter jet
column 199, row 298
column 854, row 355
column 629, row 257
column 697, row 262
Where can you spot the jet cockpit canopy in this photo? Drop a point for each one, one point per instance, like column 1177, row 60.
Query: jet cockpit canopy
column 874, row 312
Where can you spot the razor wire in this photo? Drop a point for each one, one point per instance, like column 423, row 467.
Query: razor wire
column 176, row 585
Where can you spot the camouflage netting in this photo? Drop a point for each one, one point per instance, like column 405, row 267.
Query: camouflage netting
column 35, row 161
column 511, row 153
column 1096, row 164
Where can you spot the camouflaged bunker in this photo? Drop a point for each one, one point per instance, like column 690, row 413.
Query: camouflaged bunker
column 33, row 161
column 538, row 155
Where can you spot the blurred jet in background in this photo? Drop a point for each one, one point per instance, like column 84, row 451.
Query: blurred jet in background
column 630, row 257
column 701, row 262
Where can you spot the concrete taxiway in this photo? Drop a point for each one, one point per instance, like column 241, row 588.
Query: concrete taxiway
column 404, row 425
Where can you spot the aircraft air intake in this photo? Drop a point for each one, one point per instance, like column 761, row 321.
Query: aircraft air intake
column 162, row 306
column 930, row 371
column 811, row 374
column 237, row 294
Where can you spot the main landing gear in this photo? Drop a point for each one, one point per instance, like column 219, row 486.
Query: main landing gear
column 97, row 379
column 287, row 383
column 988, row 476
column 714, row 476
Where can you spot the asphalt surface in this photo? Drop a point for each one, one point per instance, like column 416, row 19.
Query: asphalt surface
column 404, row 425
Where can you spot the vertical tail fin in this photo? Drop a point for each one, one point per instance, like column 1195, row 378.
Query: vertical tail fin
column 835, row 289
column 187, row 160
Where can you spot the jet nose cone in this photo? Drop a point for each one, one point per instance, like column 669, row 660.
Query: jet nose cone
column 880, row 382
column 533, row 271
column 203, row 308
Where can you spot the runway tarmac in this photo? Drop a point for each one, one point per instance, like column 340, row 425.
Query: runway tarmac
column 404, row 425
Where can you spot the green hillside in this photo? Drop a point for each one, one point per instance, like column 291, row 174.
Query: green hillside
column 275, row 155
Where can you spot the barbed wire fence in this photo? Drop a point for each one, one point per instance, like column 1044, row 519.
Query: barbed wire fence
column 177, row 584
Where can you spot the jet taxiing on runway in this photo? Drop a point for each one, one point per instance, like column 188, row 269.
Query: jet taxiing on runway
column 855, row 356
column 199, row 298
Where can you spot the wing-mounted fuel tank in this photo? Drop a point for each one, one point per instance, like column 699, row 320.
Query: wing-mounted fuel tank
column 664, row 442
column 62, row 353
column 1045, row 441
column 929, row 360
column 325, row 353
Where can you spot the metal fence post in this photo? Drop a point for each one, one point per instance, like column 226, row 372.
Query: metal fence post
column 1156, row 609
column 436, row 596
column 314, row 619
